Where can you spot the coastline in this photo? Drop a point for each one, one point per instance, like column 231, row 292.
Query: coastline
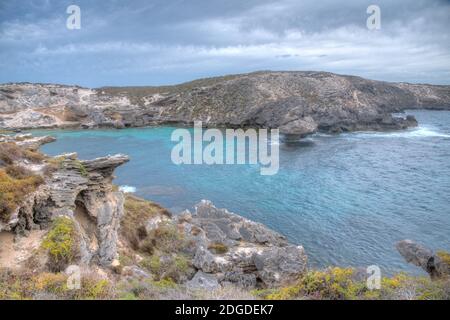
column 196, row 255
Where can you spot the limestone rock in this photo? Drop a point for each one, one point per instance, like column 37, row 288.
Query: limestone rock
column 239, row 251
column 424, row 258
column 205, row 281
column 80, row 190
column 135, row 272
column 222, row 225
column 27, row 141
column 278, row 265
column 299, row 127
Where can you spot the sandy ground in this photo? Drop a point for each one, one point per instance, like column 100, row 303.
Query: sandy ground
column 14, row 253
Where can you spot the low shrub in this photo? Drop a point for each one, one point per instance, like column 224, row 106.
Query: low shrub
column 444, row 256
column 334, row 283
column 81, row 167
column 151, row 290
column 137, row 213
column 61, row 243
column 342, row 284
column 167, row 238
column 176, row 267
column 94, row 288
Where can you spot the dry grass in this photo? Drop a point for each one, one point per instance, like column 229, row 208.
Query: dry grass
column 11, row 152
column 137, row 213
column 137, row 94
column 15, row 188
column 20, row 285
column 218, row 248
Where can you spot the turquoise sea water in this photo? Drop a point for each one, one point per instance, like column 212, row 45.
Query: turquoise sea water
column 346, row 198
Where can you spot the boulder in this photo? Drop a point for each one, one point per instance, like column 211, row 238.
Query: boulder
column 239, row 251
column 279, row 265
column 205, row 281
column 424, row 258
column 299, row 127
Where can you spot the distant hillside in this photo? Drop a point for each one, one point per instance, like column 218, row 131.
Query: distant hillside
column 296, row 102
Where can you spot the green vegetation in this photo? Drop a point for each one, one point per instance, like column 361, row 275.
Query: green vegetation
column 56, row 163
column 334, row 283
column 176, row 267
column 81, row 168
column 163, row 249
column 148, row 289
column 61, row 243
column 344, row 284
column 137, row 212
column 166, row 238
column 444, row 256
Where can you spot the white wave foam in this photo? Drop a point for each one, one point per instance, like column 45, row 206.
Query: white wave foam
column 127, row 189
column 420, row 132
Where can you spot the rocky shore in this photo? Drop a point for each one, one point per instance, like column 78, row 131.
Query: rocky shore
column 60, row 212
column 299, row 103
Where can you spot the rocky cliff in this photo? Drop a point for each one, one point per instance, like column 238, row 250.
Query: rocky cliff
column 296, row 102
column 437, row 265
column 36, row 189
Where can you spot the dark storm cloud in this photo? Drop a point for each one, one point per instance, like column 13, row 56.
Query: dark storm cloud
column 157, row 42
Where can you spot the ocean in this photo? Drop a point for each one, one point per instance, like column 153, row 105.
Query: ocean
column 346, row 198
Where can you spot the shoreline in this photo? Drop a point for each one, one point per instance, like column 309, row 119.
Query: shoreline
column 209, row 249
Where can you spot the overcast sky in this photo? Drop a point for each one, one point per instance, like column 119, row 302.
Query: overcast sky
column 152, row 42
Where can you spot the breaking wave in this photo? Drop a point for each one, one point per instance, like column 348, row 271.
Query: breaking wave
column 420, row 132
column 127, row 189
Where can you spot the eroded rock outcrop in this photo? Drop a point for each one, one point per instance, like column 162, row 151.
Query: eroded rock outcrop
column 435, row 264
column 232, row 249
column 79, row 189
column 299, row 103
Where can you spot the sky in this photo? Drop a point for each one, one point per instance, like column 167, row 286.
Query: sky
column 158, row 42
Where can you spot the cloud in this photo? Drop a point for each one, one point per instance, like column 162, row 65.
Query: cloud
column 173, row 41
